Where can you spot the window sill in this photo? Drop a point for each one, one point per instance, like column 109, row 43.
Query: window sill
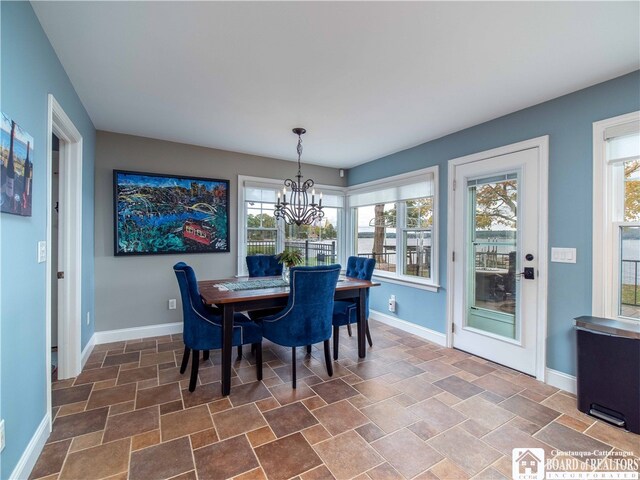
column 407, row 282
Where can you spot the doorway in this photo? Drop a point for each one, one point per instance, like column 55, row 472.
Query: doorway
column 65, row 271
column 497, row 294
column 55, row 244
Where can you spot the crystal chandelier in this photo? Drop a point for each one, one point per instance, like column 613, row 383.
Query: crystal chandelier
column 298, row 209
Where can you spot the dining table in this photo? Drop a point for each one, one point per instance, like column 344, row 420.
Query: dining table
column 243, row 294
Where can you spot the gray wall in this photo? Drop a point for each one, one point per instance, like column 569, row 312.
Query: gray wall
column 133, row 291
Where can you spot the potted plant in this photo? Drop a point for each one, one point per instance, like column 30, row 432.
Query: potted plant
column 289, row 257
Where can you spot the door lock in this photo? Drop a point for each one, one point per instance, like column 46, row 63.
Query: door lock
column 528, row 273
column 60, row 275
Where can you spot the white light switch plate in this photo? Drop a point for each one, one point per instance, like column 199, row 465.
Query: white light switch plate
column 563, row 255
column 42, row 251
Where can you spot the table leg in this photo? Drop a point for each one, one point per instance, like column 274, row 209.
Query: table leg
column 227, row 347
column 361, row 312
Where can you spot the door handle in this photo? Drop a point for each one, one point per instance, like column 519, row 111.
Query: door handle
column 528, row 274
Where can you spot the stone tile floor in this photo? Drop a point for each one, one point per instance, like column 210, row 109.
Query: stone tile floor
column 411, row 409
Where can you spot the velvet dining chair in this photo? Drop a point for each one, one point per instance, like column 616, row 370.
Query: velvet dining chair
column 307, row 317
column 346, row 313
column 263, row 266
column 202, row 330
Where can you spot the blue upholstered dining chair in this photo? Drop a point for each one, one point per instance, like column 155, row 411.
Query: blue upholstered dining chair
column 345, row 313
column 263, row 266
column 202, row 330
column 307, row 317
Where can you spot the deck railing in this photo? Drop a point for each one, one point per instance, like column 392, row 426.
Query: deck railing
column 629, row 294
column 492, row 260
column 312, row 252
column 418, row 261
column 261, row 247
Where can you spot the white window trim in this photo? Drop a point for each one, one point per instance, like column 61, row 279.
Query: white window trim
column 398, row 180
column 278, row 184
column 604, row 283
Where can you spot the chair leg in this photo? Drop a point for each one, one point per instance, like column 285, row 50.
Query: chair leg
column 205, row 355
column 258, row 350
column 368, row 334
column 239, row 352
column 309, row 349
column 327, row 358
column 349, row 329
column 293, row 367
column 336, row 336
column 195, row 360
column 185, row 359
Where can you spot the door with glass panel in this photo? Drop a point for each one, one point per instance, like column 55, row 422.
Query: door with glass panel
column 496, row 259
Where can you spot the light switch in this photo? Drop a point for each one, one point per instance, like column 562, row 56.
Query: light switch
column 42, row 251
column 563, row 255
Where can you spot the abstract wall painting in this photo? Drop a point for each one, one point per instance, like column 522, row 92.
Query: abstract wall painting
column 16, row 168
column 164, row 214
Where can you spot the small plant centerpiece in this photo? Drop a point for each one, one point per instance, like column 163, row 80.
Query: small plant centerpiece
column 289, row 257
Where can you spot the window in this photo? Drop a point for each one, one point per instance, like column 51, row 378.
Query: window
column 616, row 241
column 393, row 222
column 262, row 233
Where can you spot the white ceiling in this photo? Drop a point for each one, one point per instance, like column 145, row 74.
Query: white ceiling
column 364, row 78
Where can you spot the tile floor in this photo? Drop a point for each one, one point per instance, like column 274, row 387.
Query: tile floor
column 410, row 410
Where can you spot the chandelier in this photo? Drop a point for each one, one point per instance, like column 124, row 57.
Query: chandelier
column 298, row 209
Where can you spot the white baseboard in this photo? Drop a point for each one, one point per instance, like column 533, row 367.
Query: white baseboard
column 32, row 452
column 109, row 336
column 423, row 332
column 87, row 350
column 561, row 380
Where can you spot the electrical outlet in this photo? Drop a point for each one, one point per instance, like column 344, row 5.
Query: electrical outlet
column 1, row 435
column 392, row 303
column 172, row 304
column 88, row 318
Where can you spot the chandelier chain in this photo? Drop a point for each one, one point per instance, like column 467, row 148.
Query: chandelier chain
column 299, row 149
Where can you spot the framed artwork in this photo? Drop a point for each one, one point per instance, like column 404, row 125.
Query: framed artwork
column 16, row 168
column 162, row 214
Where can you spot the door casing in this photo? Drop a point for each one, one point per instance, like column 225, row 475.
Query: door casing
column 542, row 143
column 70, row 306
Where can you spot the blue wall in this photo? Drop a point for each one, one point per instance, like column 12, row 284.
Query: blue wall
column 568, row 122
column 30, row 71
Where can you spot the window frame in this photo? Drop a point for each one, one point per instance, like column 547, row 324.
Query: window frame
column 608, row 213
column 277, row 184
column 398, row 277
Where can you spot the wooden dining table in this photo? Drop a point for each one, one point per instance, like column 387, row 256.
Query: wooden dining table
column 231, row 301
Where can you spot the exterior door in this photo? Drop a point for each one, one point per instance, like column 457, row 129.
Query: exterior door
column 496, row 241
